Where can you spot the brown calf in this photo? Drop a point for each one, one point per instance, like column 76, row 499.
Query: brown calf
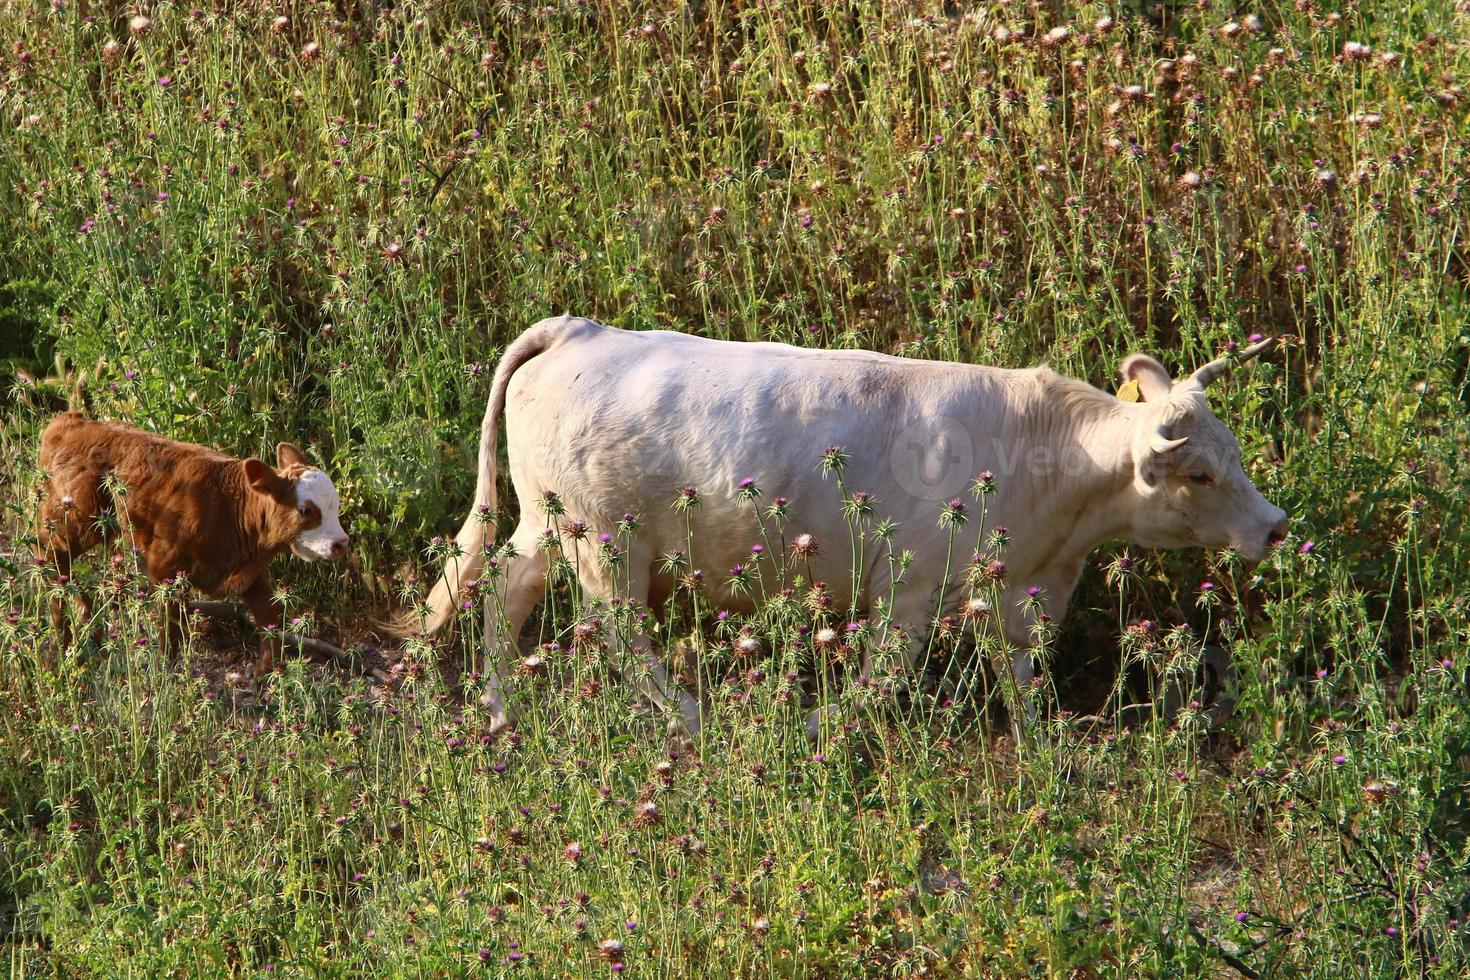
column 186, row 510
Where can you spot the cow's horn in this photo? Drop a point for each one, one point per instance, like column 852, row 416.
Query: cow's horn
column 1161, row 444
column 1219, row 366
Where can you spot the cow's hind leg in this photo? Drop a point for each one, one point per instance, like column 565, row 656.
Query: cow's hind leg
column 520, row 585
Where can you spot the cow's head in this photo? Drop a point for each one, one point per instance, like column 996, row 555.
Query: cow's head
column 1187, row 474
column 301, row 504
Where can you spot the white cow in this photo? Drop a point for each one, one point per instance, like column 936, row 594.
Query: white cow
column 615, row 422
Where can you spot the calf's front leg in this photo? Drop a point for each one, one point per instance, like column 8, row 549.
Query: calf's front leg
column 267, row 613
column 171, row 618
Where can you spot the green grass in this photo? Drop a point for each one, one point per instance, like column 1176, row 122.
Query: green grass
column 235, row 238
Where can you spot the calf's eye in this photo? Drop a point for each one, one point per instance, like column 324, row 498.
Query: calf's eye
column 304, row 510
column 1201, row 479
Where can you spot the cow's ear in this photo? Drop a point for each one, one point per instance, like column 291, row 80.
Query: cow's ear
column 261, row 477
column 1154, row 383
column 289, row 455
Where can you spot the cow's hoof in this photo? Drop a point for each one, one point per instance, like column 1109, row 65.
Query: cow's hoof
column 825, row 715
column 685, row 725
column 680, row 745
column 500, row 720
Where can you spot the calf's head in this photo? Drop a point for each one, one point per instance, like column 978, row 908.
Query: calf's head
column 1189, row 484
column 301, row 504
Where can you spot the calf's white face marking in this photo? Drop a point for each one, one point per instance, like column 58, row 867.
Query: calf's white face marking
column 327, row 539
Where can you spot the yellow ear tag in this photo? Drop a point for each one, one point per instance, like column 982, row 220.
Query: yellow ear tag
column 1128, row 392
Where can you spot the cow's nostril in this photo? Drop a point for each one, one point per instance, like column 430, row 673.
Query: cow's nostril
column 339, row 547
column 1277, row 533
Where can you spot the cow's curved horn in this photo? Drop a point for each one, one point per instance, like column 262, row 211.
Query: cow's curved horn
column 1220, row 365
column 1161, row 444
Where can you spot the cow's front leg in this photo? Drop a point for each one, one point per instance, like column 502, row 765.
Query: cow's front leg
column 910, row 627
column 1016, row 624
column 268, row 614
column 658, row 687
column 1022, row 609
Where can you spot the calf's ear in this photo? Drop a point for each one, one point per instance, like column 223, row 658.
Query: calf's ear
column 260, row 476
column 289, row 455
column 1154, row 383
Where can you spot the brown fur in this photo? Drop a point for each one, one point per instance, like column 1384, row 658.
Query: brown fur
column 187, row 510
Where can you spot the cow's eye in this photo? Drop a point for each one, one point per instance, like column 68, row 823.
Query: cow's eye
column 1201, row 479
column 304, row 510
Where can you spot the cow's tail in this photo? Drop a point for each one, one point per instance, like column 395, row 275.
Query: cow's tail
column 464, row 562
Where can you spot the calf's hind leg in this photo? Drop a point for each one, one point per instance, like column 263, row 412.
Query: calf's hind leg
column 64, row 532
column 521, row 584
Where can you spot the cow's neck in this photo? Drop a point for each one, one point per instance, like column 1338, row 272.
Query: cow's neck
column 1075, row 501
